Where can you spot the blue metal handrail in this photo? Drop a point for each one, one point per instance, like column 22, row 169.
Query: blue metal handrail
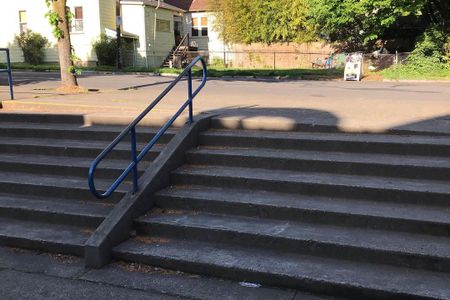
column 8, row 70
column 131, row 129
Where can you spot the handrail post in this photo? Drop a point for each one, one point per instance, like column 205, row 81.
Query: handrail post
column 134, row 158
column 10, row 80
column 191, row 117
column 131, row 130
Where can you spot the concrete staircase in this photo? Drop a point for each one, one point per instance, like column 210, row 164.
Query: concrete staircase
column 353, row 215
column 45, row 202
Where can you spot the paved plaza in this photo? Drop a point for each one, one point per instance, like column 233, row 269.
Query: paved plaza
column 255, row 186
column 277, row 104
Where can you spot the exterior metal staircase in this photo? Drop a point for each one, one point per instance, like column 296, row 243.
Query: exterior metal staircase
column 177, row 57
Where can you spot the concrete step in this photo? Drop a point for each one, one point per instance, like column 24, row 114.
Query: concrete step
column 43, row 236
column 309, row 273
column 321, row 184
column 334, row 142
column 296, row 207
column 76, row 132
column 324, row 161
column 63, row 165
column 55, row 186
column 78, row 213
column 73, row 148
column 356, row 244
column 39, row 118
column 45, row 202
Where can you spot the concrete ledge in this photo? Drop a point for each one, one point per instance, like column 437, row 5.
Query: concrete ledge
column 434, row 127
column 118, row 225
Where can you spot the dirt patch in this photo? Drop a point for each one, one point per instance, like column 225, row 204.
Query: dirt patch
column 151, row 240
column 71, row 89
column 166, row 211
column 142, row 268
column 62, row 258
column 373, row 77
column 20, row 250
column 88, row 231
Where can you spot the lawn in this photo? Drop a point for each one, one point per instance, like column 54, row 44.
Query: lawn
column 315, row 74
column 402, row 72
column 411, row 72
column 213, row 71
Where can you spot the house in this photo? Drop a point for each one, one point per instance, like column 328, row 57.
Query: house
column 152, row 22
column 152, row 29
column 199, row 23
column 91, row 17
column 188, row 25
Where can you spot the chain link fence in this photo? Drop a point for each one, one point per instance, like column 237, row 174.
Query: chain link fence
column 265, row 59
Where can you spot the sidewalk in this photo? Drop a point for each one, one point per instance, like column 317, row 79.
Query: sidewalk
column 34, row 275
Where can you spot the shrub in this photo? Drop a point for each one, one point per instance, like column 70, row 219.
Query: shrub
column 32, row 45
column 428, row 60
column 430, row 48
column 105, row 48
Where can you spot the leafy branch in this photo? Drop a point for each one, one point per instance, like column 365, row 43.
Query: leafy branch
column 55, row 21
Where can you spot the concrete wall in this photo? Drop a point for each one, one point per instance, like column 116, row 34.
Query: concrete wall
column 279, row 56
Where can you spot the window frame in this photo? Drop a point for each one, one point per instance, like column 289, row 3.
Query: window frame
column 198, row 26
column 167, row 27
column 23, row 26
column 77, row 22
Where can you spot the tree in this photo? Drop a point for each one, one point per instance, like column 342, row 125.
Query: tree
column 357, row 25
column 59, row 17
column 262, row 21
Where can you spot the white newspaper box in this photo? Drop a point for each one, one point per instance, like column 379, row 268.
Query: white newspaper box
column 354, row 67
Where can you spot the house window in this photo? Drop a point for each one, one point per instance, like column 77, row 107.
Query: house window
column 77, row 22
column 200, row 26
column 162, row 25
column 23, row 20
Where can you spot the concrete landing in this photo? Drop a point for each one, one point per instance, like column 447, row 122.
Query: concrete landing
column 34, row 275
column 252, row 104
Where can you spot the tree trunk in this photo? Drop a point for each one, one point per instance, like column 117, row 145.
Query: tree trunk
column 68, row 79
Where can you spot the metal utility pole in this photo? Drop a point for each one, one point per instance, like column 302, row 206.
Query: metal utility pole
column 118, row 35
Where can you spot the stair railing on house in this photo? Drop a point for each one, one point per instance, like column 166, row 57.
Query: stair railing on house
column 184, row 42
column 179, row 51
column 131, row 130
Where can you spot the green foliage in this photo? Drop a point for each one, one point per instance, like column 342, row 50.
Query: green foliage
column 358, row 24
column 106, row 49
column 430, row 47
column 429, row 60
column 262, row 21
column 32, row 45
column 54, row 19
column 36, row 68
column 427, row 70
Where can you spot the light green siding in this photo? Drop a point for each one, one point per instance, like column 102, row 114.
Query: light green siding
column 159, row 43
column 107, row 14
